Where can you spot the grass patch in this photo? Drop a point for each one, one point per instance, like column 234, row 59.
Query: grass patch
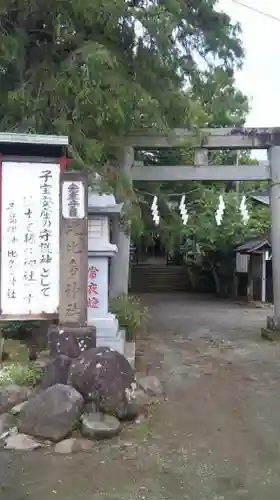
column 132, row 316
column 18, row 351
column 20, row 374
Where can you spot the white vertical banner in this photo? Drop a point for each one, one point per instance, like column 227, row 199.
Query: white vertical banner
column 73, row 200
column 97, row 299
column 30, row 221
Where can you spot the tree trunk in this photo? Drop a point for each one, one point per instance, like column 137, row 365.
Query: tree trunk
column 216, row 279
column 191, row 278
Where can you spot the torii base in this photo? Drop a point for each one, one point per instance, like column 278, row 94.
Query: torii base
column 272, row 330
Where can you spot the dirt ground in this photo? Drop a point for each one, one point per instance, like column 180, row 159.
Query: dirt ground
column 217, row 435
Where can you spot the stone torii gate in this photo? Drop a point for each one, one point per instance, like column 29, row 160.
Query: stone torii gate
column 209, row 139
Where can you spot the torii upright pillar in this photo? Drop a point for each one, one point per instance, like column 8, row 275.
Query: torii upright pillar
column 273, row 322
column 119, row 269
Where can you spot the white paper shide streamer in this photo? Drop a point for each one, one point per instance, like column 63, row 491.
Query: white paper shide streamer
column 220, row 211
column 155, row 211
column 244, row 211
column 183, row 210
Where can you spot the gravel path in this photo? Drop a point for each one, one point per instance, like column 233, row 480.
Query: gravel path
column 216, row 436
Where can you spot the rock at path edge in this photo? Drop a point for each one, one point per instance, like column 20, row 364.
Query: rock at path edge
column 11, row 395
column 73, row 445
column 17, row 408
column 151, row 385
column 21, row 442
column 99, row 426
column 52, row 413
column 7, row 422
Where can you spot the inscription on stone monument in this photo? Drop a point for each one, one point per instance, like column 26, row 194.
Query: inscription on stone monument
column 74, row 251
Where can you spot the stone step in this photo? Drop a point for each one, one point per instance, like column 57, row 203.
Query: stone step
column 154, row 278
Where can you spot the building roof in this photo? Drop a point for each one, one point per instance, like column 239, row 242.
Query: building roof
column 255, row 245
column 33, row 145
column 50, row 140
column 261, row 197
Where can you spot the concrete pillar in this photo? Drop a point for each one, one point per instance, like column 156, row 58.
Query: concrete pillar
column 119, row 269
column 274, row 157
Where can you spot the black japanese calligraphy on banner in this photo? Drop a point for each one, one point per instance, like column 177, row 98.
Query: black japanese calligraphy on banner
column 30, row 239
column 12, row 250
column 73, row 200
column 30, row 273
column 46, row 206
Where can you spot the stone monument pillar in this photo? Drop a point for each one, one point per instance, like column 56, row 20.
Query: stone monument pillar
column 102, row 207
column 72, row 336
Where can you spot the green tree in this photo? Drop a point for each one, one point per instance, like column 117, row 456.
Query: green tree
column 210, row 247
column 96, row 70
column 224, row 106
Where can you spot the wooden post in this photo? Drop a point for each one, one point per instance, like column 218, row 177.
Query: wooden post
column 263, row 296
column 236, row 285
column 73, row 336
column 250, row 285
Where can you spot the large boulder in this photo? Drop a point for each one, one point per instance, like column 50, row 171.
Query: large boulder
column 56, row 372
column 52, row 413
column 11, row 395
column 104, row 376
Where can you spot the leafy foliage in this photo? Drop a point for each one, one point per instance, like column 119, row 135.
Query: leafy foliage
column 20, row 330
column 232, row 231
column 97, row 70
column 211, row 247
column 131, row 314
column 206, row 247
column 223, row 104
